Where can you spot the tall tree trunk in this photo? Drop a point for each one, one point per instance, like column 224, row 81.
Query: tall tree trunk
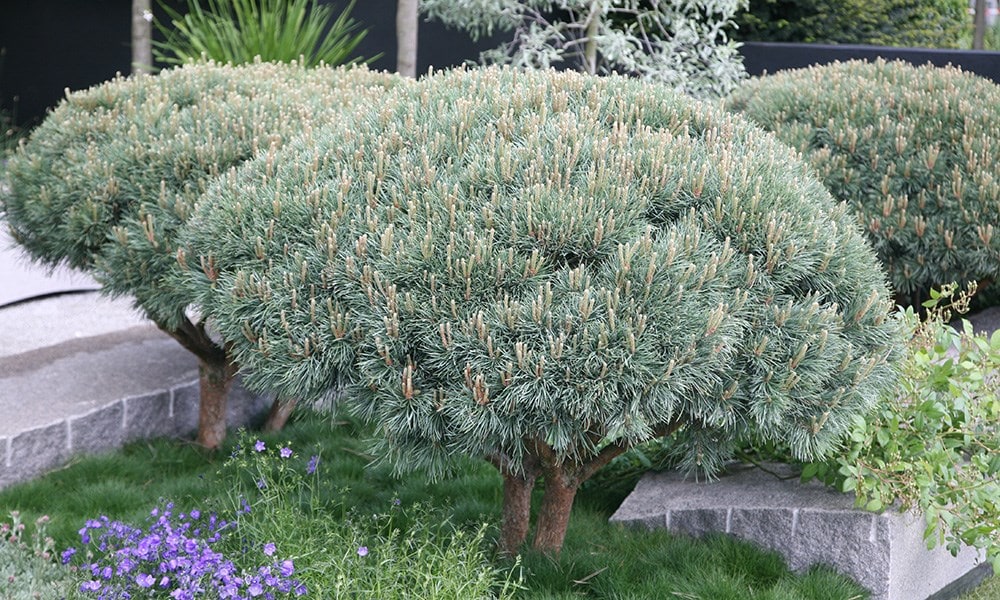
column 142, row 37
column 979, row 19
column 553, row 515
column 281, row 410
column 215, row 378
column 406, row 37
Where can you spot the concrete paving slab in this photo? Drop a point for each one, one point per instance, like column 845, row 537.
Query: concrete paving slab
column 75, row 377
column 21, row 279
column 58, row 319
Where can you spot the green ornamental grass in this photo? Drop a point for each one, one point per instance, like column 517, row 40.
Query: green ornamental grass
column 242, row 31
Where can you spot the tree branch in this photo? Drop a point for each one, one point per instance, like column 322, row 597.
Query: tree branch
column 195, row 340
column 609, row 452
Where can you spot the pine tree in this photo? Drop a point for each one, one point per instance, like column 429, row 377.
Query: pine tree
column 543, row 270
column 107, row 181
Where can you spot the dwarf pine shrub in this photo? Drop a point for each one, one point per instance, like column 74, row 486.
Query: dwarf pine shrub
column 544, row 269
column 912, row 150
column 107, row 181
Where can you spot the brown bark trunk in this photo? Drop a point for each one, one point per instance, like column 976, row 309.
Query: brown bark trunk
column 553, row 515
column 516, row 511
column 281, row 410
column 215, row 377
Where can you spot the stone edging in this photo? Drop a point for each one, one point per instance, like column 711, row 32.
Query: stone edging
column 807, row 524
column 171, row 412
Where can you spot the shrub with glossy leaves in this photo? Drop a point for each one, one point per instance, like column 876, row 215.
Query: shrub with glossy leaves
column 926, row 24
column 934, row 444
column 107, row 181
column 913, row 150
column 545, row 269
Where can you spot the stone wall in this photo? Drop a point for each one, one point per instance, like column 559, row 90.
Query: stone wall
column 171, row 412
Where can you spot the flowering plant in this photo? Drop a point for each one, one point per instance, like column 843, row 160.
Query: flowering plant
column 27, row 566
column 175, row 557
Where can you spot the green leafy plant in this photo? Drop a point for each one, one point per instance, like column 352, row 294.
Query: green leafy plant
column 242, row 31
column 600, row 560
column 912, row 150
column 107, row 181
column 683, row 43
column 929, row 23
column 405, row 551
column 545, row 269
column 28, row 568
column 934, row 446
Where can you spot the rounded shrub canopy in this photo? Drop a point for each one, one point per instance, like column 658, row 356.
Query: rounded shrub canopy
column 107, row 179
column 502, row 260
column 913, row 150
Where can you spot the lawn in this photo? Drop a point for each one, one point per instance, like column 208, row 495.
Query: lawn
column 599, row 560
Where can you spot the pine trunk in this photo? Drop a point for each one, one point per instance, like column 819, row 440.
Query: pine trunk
column 215, row 378
column 281, row 410
column 553, row 515
column 516, row 511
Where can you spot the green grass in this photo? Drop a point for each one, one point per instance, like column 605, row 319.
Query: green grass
column 989, row 590
column 598, row 561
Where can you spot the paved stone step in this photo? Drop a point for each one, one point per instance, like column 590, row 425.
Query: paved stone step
column 82, row 374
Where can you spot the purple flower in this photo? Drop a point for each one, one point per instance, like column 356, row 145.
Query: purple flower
column 67, row 555
column 286, row 452
column 362, row 550
column 269, row 548
column 313, row 463
column 287, row 568
column 90, row 586
column 196, row 514
column 144, row 580
column 259, row 446
column 255, row 589
column 261, row 484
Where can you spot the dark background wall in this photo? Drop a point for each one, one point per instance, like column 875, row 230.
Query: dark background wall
column 760, row 57
column 52, row 45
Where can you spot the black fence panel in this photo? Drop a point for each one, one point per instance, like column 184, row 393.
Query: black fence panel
column 54, row 45
column 770, row 57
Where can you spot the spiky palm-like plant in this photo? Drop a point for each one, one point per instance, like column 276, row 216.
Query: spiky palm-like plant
column 107, row 181
column 914, row 152
column 545, row 269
